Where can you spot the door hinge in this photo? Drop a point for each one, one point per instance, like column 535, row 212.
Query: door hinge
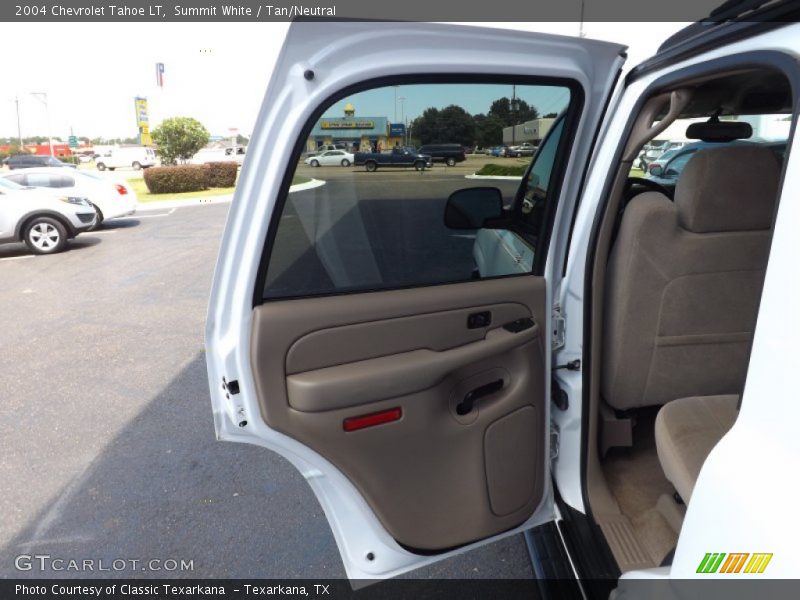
column 559, row 328
column 557, row 395
column 554, row 441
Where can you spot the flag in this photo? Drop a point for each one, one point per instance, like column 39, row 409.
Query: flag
column 160, row 75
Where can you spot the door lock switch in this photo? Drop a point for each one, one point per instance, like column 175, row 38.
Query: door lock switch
column 519, row 325
column 479, row 320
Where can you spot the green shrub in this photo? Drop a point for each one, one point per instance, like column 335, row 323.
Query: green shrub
column 502, row 170
column 70, row 160
column 173, row 180
column 221, row 174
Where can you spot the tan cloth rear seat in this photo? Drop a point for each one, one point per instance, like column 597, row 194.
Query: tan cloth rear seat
column 685, row 278
column 686, row 431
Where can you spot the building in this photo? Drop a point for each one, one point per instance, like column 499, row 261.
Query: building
column 529, row 131
column 355, row 132
column 60, row 149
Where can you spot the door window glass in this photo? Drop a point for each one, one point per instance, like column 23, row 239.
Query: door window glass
column 675, row 167
column 19, row 179
column 40, row 180
column 380, row 223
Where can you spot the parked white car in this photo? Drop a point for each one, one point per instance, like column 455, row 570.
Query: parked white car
column 43, row 219
column 110, row 197
column 207, row 155
column 331, row 158
column 618, row 384
column 135, row 157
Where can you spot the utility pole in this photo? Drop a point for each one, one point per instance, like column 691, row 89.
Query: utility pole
column 513, row 120
column 19, row 128
column 395, row 103
column 403, row 116
column 42, row 97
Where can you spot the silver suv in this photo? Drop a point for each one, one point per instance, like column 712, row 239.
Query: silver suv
column 44, row 220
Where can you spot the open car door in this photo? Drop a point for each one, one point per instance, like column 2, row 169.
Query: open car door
column 350, row 329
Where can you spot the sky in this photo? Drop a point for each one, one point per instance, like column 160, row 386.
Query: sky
column 215, row 72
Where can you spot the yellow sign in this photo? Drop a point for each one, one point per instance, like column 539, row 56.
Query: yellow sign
column 142, row 119
column 347, row 124
column 144, row 136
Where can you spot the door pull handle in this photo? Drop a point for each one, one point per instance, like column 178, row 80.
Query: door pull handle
column 467, row 404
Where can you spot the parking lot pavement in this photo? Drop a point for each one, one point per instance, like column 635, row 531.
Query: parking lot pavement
column 106, row 435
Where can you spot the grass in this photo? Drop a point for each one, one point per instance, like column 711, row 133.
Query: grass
column 139, row 186
column 502, row 170
column 636, row 173
column 136, row 181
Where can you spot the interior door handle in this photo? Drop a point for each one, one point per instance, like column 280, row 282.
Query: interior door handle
column 465, row 406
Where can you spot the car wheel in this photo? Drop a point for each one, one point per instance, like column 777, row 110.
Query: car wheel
column 45, row 235
column 314, row 163
column 136, row 165
column 371, row 166
column 101, row 167
column 419, row 165
column 345, row 163
column 450, row 161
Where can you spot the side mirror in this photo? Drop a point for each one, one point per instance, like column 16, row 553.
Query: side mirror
column 657, row 171
column 470, row 208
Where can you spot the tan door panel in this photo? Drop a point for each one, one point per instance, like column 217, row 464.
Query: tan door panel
column 435, row 478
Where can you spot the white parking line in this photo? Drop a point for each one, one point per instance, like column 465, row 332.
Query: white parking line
column 17, row 257
column 166, row 214
column 101, row 232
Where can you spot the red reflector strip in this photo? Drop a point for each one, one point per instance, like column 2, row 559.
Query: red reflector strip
column 378, row 418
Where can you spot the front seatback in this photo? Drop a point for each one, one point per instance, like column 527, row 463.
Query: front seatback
column 684, row 281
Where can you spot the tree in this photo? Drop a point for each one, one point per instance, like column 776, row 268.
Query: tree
column 36, row 139
column 457, row 126
column 451, row 124
column 426, row 126
column 550, row 116
column 488, row 131
column 179, row 138
column 501, row 108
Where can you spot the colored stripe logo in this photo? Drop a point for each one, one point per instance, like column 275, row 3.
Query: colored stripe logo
column 736, row 562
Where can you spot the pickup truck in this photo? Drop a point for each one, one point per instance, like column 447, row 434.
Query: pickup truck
column 398, row 157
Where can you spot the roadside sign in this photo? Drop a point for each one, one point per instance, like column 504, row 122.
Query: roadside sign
column 73, row 141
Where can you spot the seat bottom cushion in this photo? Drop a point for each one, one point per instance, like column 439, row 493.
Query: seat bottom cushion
column 686, row 431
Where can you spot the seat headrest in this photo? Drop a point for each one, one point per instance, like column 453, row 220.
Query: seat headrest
column 732, row 188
